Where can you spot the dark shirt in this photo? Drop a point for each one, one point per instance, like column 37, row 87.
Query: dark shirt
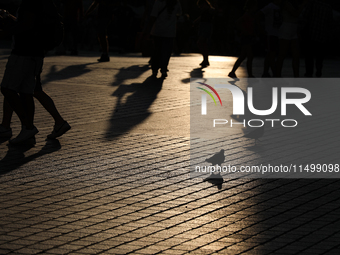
column 28, row 30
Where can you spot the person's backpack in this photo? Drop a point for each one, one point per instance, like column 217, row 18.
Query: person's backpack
column 52, row 26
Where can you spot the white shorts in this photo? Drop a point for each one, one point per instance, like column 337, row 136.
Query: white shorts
column 288, row 31
column 20, row 74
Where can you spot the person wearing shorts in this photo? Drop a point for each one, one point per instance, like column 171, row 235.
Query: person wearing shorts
column 60, row 127
column 205, row 29
column 24, row 64
column 21, row 80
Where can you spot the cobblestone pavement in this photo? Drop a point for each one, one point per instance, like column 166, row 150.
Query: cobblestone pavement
column 118, row 181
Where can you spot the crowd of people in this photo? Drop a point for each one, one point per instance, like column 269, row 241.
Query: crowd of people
column 289, row 26
column 286, row 26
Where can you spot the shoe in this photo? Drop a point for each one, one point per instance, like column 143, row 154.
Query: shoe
column 154, row 73
column 5, row 132
column 59, row 131
column 164, row 74
column 232, row 75
column 205, row 64
column 24, row 135
column 104, row 58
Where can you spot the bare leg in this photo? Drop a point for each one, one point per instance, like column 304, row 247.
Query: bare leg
column 250, row 57
column 29, row 109
column 239, row 61
column 47, row 102
column 7, row 114
column 204, row 49
column 104, row 43
column 15, row 102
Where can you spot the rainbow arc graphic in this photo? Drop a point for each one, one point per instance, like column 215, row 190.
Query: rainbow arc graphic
column 209, row 93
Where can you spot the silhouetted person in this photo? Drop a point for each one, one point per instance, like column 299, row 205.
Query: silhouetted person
column 205, row 29
column 288, row 36
column 184, row 34
column 23, row 65
column 272, row 16
column 73, row 13
column 247, row 26
column 164, row 19
column 317, row 18
column 104, row 18
column 145, row 41
column 22, row 75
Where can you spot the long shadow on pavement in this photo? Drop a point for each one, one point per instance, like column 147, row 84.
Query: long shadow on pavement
column 132, row 107
column 131, row 72
column 15, row 156
column 67, row 72
column 196, row 73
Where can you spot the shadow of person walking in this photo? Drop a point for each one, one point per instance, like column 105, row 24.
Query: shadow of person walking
column 132, row 106
column 131, row 72
column 67, row 72
column 196, row 73
column 16, row 158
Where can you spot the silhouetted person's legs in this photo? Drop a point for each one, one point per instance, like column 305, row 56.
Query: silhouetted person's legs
column 284, row 45
column 269, row 61
column 104, row 43
column 162, row 54
column 295, row 57
column 155, row 64
column 6, row 114
column 103, row 24
column 237, row 64
column 167, row 45
column 246, row 53
column 314, row 55
column 204, row 49
column 47, row 102
column 25, row 114
column 319, row 58
column 309, row 59
column 250, row 57
column 16, row 103
column 29, row 109
column 60, row 125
